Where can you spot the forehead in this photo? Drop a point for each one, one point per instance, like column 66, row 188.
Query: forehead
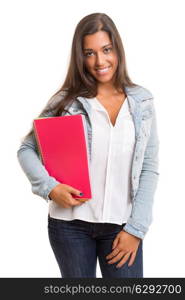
column 96, row 40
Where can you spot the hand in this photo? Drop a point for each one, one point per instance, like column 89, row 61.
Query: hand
column 124, row 245
column 61, row 194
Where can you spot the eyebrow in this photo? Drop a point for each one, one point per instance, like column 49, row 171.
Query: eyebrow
column 88, row 49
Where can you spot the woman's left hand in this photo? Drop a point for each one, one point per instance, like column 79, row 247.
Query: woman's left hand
column 124, row 245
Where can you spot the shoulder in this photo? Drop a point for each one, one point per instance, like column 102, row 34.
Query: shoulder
column 139, row 92
column 52, row 104
column 56, row 98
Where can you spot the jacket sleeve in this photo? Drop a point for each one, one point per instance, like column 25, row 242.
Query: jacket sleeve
column 28, row 156
column 141, row 214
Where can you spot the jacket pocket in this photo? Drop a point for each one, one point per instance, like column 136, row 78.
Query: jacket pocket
column 147, row 113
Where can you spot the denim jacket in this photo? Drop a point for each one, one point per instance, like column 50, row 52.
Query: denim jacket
column 144, row 173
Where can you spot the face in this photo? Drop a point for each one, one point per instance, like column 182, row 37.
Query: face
column 100, row 57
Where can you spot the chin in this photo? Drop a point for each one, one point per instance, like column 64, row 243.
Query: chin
column 104, row 80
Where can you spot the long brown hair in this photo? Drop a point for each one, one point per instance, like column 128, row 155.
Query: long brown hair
column 78, row 81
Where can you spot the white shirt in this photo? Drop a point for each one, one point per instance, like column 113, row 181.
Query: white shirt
column 110, row 169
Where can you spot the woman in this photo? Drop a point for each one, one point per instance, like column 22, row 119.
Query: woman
column 123, row 146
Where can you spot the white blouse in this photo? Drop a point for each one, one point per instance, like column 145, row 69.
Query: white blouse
column 110, row 169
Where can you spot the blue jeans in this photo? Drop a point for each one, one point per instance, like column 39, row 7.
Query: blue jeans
column 77, row 244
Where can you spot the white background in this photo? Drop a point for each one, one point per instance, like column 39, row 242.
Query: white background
column 35, row 45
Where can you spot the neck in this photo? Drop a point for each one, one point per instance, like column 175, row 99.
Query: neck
column 107, row 89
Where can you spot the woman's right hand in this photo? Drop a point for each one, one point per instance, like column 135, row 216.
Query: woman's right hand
column 61, row 194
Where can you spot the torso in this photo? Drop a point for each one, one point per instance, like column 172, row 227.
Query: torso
column 112, row 105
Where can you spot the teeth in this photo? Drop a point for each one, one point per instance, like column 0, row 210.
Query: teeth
column 103, row 70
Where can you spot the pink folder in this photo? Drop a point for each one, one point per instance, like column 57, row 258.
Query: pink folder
column 62, row 143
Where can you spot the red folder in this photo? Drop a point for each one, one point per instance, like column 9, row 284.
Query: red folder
column 62, row 143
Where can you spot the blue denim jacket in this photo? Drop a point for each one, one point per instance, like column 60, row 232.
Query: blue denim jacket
column 144, row 173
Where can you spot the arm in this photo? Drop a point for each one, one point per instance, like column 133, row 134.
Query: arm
column 28, row 156
column 141, row 215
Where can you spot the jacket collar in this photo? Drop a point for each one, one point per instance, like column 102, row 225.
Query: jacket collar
column 135, row 96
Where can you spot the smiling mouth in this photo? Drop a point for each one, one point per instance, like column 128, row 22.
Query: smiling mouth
column 103, row 70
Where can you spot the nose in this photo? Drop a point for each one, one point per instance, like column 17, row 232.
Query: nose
column 99, row 60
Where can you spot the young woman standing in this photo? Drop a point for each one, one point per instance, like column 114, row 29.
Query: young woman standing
column 123, row 146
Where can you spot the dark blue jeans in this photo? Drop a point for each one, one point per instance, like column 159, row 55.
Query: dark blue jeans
column 77, row 245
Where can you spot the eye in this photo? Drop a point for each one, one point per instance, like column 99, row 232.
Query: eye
column 87, row 54
column 107, row 50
